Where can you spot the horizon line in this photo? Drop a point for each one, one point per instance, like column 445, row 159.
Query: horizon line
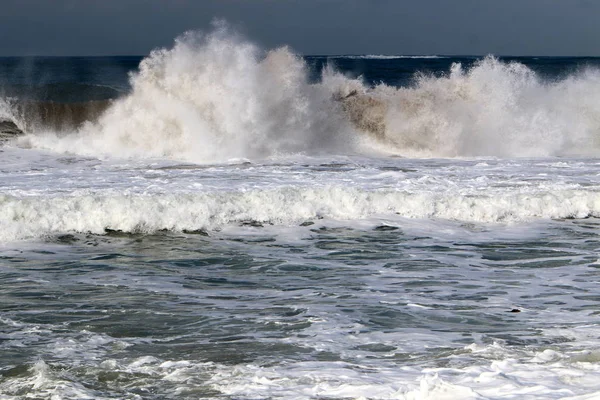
column 365, row 55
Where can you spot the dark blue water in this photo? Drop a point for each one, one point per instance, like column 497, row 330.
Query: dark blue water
column 66, row 79
column 76, row 79
column 402, row 71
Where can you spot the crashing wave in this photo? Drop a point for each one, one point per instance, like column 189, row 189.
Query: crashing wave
column 216, row 96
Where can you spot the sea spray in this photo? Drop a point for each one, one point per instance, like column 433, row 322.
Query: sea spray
column 216, row 97
column 494, row 108
column 211, row 98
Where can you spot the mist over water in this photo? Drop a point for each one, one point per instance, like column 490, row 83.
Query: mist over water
column 215, row 97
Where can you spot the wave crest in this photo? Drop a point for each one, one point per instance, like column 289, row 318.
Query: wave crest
column 33, row 216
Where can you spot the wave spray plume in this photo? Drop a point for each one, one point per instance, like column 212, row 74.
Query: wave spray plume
column 217, row 97
column 211, row 98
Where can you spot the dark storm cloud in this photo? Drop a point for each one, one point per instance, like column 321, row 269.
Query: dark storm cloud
column 518, row 27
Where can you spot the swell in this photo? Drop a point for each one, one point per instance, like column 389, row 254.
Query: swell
column 57, row 107
column 56, row 116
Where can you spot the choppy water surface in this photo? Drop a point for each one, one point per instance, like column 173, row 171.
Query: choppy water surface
column 382, row 306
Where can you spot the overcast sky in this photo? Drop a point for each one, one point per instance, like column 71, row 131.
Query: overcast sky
column 501, row 27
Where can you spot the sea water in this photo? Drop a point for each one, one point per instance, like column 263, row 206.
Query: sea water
column 246, row 224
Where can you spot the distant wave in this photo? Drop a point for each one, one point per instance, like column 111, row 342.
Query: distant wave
column 385, row 57
column 217, row 96
column 59, row 107
column 63, row 92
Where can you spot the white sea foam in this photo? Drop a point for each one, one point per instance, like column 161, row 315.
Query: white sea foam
column 542, row 375
column 35, row 216
column 545, row 374
column 74, row 194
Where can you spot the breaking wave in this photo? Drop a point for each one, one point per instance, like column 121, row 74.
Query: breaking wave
column 214, row 97
column 32, row 116
column 37, row 216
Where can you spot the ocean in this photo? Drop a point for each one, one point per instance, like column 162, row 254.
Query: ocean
column 220, row 221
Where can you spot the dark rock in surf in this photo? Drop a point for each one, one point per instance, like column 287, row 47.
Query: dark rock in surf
column 66, row 239
column 386, row 228
column 200, row 232
column 8, row 130
column 252, row 223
